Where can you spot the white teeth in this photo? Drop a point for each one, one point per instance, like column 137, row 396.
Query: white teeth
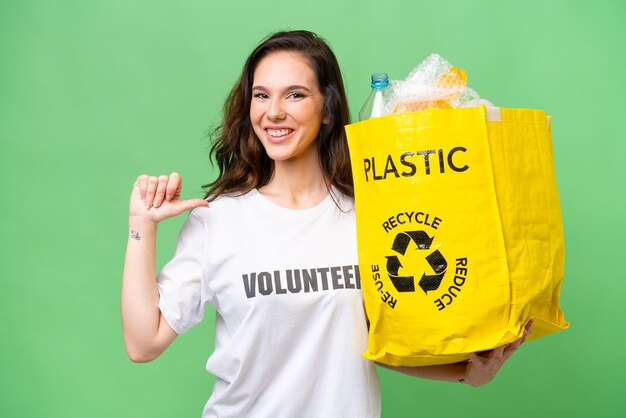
column 278, row 132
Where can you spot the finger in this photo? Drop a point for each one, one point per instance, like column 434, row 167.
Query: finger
column 153, row 181
column 160, row 191
column 516, row 344
column 174, row 186
column 497, row 352
column 526, row 331
column 475, row 358
column 193, row 203
column 142, row 182
column 510, row 350
column 521, row 340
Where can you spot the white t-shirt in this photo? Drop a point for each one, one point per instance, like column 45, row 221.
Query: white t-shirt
column 290, row 325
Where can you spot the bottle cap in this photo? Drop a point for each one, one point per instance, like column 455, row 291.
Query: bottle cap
column 380, row 80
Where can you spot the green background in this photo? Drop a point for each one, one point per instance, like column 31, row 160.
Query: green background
column 94, row 93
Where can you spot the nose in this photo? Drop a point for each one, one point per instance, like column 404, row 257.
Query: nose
column 275, row 111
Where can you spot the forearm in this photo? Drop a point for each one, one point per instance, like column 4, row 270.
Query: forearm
column 140, row 313
column 447, row 372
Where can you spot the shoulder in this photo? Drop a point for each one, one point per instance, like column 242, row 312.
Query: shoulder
column 343, row 202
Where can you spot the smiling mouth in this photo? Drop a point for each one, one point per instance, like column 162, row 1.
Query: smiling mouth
column 277, row 133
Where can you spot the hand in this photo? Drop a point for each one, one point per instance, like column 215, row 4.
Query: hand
column 155, row 199
column 484, row 366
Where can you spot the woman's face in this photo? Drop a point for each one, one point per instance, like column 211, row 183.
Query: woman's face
column 286, row 108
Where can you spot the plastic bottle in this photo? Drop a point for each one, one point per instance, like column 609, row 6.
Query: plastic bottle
column 373, row 106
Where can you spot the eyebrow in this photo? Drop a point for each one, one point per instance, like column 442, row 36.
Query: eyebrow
column 294, row 87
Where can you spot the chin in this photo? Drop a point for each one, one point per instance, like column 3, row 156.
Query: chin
column 279, row 156
column 289, row 151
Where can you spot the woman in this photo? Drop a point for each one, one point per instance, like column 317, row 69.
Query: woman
column 274, row 253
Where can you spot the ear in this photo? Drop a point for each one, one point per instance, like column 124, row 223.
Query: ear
column 326, row 120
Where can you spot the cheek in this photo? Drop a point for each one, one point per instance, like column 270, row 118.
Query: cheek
column 253, row 114
column 256, row 112
column 312, row 116
column 318, row 113
column 255, row 121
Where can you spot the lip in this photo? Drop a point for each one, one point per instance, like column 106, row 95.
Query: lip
column 280, row 139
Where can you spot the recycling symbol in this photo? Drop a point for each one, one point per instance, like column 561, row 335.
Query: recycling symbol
column 435, row 259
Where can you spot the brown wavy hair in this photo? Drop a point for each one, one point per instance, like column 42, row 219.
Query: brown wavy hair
column 242, row 161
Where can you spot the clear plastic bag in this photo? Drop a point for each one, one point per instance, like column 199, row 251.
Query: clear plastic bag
column 434, row 83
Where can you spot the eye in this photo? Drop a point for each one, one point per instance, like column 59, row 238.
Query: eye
column 260, row 96
column 295, row 95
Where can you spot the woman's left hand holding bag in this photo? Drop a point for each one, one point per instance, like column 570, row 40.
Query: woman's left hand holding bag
column 484, row 366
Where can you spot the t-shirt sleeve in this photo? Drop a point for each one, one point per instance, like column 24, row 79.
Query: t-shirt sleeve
column 182, row 291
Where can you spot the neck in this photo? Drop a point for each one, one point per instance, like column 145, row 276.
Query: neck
column 297, row 184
